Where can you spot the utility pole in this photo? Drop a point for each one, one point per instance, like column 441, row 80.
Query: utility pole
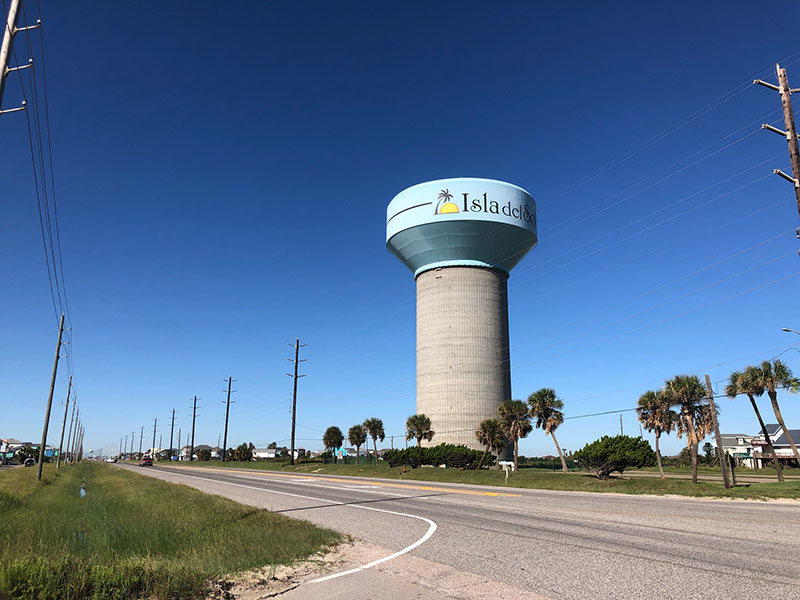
column 720, row 451
column 621, row 432
column 50, row 398
column 9, row 31
column 141, row 437
column 64, row 423
column 155, row 424
column 171, row 431
column 194, row 415
column 227, row 412
column 133, row 437
column 297, row 346
column 120, row 447
column 69, row 435
column 126, row 444
column 179, row 443
column 790, row 134
column 79, row 441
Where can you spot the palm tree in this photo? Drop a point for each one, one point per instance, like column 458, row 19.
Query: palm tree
column 545, row 407
column 687, row 393
column 357, row 436
column 656, row 415
column 490, row 435
column 374, row 427
column 333, row 438
column 704, row 422
column 741, row 383
column 769, row 377
column 516, row 423
column 419, row 427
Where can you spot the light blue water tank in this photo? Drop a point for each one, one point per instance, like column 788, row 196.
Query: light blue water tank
column 464, row 221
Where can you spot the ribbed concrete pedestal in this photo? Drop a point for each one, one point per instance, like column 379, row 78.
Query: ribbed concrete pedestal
column 463, row 365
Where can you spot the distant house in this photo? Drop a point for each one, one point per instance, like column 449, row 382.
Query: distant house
column 265, row 453
column 752, row 451
column 783, row 451
column 11, row 445
column 739, row 447
column 184, row 453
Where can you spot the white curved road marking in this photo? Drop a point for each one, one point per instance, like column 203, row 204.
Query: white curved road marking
column 431, row 525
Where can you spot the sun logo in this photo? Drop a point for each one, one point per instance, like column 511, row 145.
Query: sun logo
column 444, row 205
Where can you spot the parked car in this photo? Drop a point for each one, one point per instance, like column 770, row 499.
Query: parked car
column 111, row 459
column 146, row 461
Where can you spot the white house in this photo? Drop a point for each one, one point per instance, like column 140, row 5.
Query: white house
column 265, row 453
column 783, row 451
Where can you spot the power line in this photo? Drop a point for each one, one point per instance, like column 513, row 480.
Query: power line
column 680, row 124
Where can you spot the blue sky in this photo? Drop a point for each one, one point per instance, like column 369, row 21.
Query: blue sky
column 223, row 173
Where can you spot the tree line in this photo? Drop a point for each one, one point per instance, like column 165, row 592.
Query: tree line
column 693, row 418
column 333, row 437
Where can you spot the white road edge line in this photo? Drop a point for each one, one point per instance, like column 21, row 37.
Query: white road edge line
column 431, row 525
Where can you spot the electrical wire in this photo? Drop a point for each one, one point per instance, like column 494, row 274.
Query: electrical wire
column 678, row 125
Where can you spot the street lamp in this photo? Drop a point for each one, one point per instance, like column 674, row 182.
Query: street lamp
column 790, row 330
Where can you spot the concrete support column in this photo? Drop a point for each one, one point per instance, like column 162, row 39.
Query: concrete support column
column 463, row 364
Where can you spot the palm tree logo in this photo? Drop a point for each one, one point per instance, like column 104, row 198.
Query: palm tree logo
column 444, row 205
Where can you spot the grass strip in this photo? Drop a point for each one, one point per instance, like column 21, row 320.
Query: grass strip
column 534, row 479
column 132, row 536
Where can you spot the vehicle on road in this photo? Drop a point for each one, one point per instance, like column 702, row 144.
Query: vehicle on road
column 111, row 459
column 146, row 461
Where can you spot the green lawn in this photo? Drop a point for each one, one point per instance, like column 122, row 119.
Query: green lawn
column 534, row 478
column 132, row 536
column 766, row 472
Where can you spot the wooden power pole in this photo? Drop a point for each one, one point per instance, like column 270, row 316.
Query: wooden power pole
column 6, row 50
column 69, row 431
column 171, row 431
column 64, row 423
column 50, row 398
column 194, row 415
column 790, row 134
column 720, row 450
column 230, row 381
column 297, row 346
column 153, row 449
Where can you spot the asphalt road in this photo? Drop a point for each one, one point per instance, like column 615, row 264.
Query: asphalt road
column 481, row 542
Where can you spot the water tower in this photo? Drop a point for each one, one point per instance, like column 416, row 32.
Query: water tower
column 461, row 237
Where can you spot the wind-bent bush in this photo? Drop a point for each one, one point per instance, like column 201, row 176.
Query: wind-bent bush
column 617, row 453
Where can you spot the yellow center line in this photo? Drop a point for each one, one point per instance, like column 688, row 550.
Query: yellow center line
column 406, row 486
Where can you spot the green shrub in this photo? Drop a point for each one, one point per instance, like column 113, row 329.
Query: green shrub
column 450, row 455
column 617, row 453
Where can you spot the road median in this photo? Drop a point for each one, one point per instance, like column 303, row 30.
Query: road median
column 643, row 483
